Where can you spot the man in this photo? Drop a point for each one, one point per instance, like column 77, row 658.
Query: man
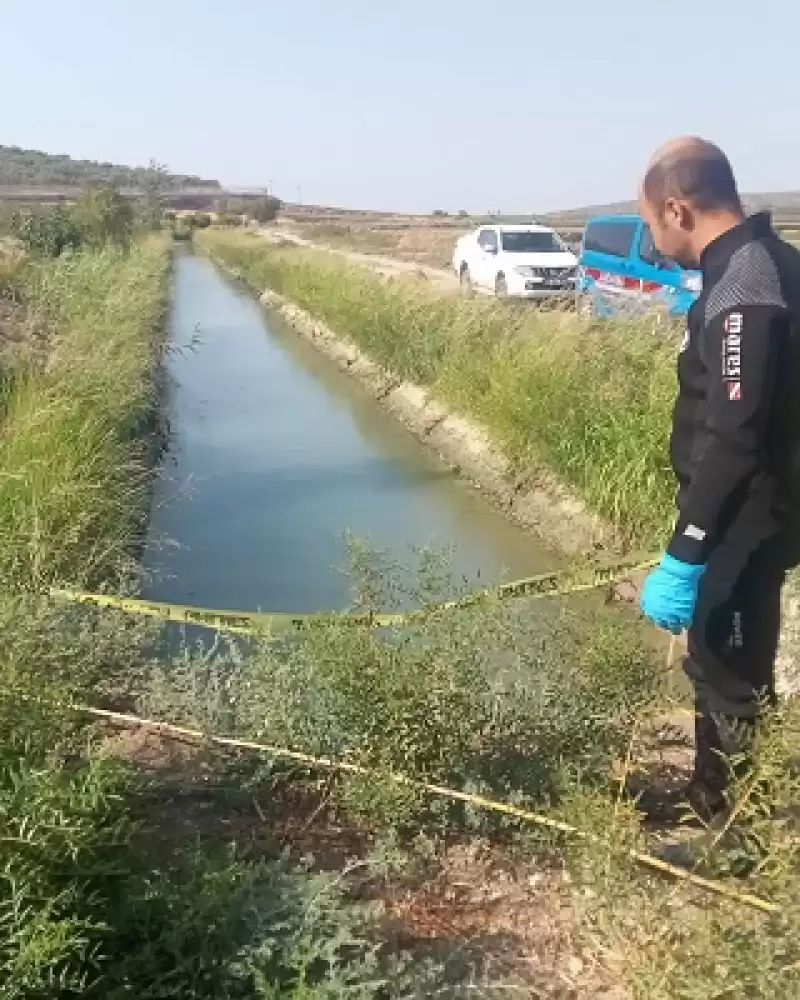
column 735, row 449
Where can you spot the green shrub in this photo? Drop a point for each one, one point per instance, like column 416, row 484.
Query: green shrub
column 105, row 216
column 93, row 902
column 503, row 698
column 99, row 217
column 50, row 233
column 264, row 209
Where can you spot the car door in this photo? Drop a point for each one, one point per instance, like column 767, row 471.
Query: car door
column 486, row 258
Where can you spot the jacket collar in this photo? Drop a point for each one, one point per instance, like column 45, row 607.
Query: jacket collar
column 716, row 255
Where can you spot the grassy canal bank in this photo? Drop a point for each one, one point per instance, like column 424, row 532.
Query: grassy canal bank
column 79, row 421
column 136, row 866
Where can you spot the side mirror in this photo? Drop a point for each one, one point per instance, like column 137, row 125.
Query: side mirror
column 491, row 250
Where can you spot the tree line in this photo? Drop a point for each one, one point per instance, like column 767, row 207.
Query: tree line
column 102, row 215
column 31, row 166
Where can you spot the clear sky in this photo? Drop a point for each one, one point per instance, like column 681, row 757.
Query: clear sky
column 413, row 105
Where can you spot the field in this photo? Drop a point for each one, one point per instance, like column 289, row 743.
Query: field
column 421, row 242
column 429, row 240
column 138, row 864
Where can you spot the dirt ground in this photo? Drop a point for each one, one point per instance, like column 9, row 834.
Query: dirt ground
column 441, row 278
column 431, row 245
column 496, row 921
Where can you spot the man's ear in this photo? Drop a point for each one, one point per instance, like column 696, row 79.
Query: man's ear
column 679, row 214
column 674, row 213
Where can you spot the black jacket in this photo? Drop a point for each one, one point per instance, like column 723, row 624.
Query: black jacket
column 736, row 428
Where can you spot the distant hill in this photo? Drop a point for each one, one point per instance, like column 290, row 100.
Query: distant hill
column 30, row 167
column 782, row 204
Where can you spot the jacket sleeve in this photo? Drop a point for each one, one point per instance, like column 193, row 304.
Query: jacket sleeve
column 740, row 347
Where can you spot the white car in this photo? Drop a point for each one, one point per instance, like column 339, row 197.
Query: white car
column 526, row 262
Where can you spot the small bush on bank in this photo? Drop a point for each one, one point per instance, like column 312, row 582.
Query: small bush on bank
column 503, row 698
column 92, row 903
column 264, row 210
column 101, row 216
column 50, row 233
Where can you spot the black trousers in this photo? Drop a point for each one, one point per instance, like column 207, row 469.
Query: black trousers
column 733, row 640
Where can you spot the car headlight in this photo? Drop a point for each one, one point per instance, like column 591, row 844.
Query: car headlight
column 692, row 282
column 525, row 271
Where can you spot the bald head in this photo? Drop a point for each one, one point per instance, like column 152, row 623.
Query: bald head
column 694, row 171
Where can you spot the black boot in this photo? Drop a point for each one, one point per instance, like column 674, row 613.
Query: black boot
column 722, row 747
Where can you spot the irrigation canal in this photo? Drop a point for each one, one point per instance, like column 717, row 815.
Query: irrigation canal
column 276, row 456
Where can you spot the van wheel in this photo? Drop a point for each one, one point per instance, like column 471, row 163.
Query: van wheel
column 465, row 280
column 501, row 286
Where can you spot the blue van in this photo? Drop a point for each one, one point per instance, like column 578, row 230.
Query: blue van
column 620, row 272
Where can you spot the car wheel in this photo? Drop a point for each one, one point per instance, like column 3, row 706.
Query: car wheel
column 501, row 286
column 465, row 280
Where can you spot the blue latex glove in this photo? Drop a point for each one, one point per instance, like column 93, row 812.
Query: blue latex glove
column 669, row 594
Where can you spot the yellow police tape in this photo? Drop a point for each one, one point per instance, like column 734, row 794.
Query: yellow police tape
column 553, row 584
column 172, row 731
column 249, row 623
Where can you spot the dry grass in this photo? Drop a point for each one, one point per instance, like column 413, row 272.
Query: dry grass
column 431, row 245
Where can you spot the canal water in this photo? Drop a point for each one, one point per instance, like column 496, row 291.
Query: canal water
column 276, row 457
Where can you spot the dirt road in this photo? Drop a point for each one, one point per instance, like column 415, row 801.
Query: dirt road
column 388, row 267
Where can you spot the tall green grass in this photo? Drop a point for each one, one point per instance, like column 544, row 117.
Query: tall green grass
column 588, row 402
column 77, row 431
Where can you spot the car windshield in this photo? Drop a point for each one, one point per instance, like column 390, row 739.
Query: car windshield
column 531, row 242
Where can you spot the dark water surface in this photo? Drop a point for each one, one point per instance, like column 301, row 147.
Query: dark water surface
column 276, row 455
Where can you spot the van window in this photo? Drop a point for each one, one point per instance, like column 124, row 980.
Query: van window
column 614, row 238
column 487, row 239
column 648, row 252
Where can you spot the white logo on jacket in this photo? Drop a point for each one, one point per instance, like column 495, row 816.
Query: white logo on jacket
column 732, row 355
